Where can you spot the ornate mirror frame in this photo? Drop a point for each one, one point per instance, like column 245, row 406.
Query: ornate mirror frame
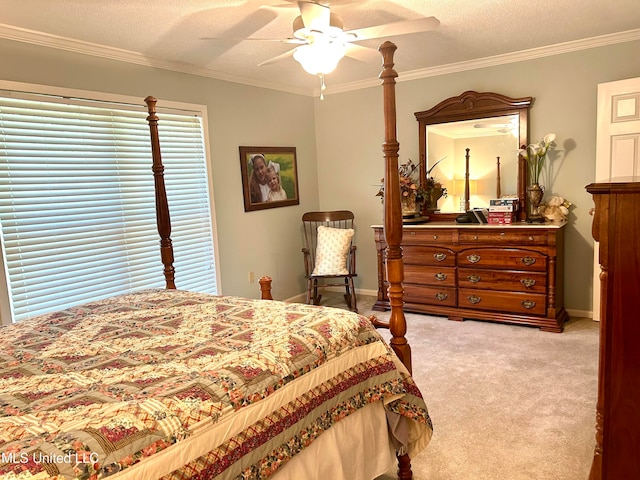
column 472, row 105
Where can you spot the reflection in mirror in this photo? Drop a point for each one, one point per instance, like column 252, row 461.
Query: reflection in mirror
column 493, row 160
column 490, row 125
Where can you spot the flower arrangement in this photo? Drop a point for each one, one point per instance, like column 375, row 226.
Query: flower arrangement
column 410, row 183
column 535, row 154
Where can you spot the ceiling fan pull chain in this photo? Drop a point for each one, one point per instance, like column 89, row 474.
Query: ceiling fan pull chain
column 323, row 87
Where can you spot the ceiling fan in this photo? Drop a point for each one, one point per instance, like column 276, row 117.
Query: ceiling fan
column 500, row 128
column 323, row 42
column 506, row 124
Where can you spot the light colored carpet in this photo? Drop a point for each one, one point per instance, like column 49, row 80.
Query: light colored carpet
column 507, row 402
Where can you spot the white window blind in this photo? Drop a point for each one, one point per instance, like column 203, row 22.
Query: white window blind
column 77, row 204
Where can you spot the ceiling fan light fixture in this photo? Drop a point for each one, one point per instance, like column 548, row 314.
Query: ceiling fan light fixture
column 320, row 57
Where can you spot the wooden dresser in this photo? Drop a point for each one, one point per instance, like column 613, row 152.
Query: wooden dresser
column 616, row 225
column 503, row 273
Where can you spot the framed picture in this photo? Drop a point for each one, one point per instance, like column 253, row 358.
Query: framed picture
column 269, row 177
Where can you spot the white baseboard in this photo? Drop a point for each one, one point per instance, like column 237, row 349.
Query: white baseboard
column 580, row 313
column 301, row 297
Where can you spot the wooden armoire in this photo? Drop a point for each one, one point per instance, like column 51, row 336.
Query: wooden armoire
column 616, row 225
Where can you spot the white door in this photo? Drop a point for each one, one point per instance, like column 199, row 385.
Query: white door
column 617, row 145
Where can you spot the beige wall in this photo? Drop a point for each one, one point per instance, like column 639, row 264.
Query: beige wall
column 265, row 242
column 339, row 146
column 350, row 134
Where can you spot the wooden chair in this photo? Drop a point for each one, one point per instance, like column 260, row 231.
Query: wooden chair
column 329, row 254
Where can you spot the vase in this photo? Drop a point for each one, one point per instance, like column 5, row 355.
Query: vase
column 410, row 207
column 535, row 192
column 434, row 194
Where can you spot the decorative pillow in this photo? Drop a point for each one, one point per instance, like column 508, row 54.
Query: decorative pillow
column 332, row 250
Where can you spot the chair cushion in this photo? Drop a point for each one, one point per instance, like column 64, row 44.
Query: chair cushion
column 332, row 251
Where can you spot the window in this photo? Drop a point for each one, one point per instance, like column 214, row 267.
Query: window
column 77, row 204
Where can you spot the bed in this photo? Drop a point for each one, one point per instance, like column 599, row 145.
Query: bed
column 174, row 385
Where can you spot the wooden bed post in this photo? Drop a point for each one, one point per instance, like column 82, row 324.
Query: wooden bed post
column 467, row 193
column 393, row 226
column 265, row 288
column 393, row 209
column 162, row 207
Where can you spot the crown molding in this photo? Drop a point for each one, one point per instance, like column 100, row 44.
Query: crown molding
column 10, row 32
column 533, row 53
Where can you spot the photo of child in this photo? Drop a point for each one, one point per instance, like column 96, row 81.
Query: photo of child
column 276, row 192
column 269, row 177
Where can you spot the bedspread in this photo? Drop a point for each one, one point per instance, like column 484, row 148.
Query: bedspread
column 183, row 385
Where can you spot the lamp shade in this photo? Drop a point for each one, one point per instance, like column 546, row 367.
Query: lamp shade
column 458, row 186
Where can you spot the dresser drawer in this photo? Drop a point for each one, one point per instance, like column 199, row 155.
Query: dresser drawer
column 507, row 258
column 427, row 236
column 512, row 302
column 424, row 255
column 509, row 280
column 501, row 273
column 507, row 236
column 429, row 295
column 444, row 276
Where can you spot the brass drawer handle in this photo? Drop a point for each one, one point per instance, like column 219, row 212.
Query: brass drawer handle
column 435, row 237
column 528, row 282
column 473, row 258
column 473, row 278
column 441, row 296
column 474, row 299
column 528, row 304
column 530, row 238
column 475, row 237
column 441, row 276
column 439, row 256
column 528, row 260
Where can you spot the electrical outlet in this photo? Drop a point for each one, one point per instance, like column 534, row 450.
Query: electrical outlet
column 252, row 277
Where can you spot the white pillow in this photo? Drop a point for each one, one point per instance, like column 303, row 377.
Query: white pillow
column 332, row 250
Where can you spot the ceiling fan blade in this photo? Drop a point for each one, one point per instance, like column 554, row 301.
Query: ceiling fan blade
column 296, row 41
column 315, row 16
column 491, row 125
column 283, row 56
column 403, row 27
column 363, row 54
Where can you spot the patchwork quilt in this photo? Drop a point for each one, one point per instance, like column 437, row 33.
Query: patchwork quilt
column 178, row 385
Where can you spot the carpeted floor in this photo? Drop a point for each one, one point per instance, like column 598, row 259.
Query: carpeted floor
column 507, row 402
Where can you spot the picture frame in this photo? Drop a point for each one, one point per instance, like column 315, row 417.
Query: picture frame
column 269, row 177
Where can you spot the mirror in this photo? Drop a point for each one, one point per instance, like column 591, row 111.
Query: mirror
column 492, row 127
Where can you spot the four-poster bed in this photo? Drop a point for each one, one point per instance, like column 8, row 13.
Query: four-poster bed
column 179, row 385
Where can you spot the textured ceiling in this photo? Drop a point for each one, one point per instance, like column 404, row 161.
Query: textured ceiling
column 171, row 34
